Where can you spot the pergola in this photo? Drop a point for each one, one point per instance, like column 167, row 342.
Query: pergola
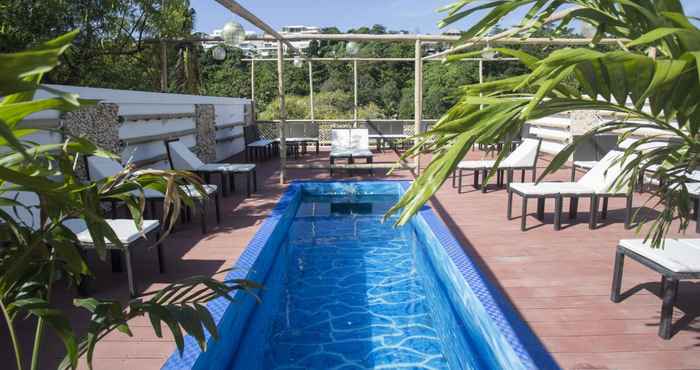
column 506, row 37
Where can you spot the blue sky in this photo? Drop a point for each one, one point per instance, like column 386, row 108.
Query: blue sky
column 411, row 15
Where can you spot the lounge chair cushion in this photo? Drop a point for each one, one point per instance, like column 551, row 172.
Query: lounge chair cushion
column 361, row 153
column 603, row 176
column 677, row 255
column 693, row 189
column 191, row 190
column 585, row 164
column 359, row 139
column 524, row 156
column 126, row 230
column 182, row 158
column 341, row 153
column 475, row 165
column 550, row 188
column 100, row 167
column 260, row 143
column 627, row 143
column 227, row 167
column 340, row 141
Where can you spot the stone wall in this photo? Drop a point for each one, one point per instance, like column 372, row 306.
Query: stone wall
column 205, row 123
column 99, row 124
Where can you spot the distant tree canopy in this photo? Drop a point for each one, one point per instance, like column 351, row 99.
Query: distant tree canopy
column 115, row 50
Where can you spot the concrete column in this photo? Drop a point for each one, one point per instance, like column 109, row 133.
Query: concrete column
column 205, row 123
column 97, row 123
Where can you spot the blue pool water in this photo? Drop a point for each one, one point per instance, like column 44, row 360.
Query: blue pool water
column 345, row 290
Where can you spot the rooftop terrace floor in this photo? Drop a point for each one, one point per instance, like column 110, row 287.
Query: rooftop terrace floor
column 558, row 281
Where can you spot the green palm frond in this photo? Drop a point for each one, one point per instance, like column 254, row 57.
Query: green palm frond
column 640, row 91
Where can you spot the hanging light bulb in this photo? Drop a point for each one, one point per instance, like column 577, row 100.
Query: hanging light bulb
column 218, row 53
column 233, row 33
column 352, row 48
column 588, row 30
column 488, row 53
column 298, row 62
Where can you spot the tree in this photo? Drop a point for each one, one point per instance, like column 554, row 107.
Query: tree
column 112, row 49
column 622, row 82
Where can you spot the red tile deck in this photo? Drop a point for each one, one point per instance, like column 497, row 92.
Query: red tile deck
column 559, row 282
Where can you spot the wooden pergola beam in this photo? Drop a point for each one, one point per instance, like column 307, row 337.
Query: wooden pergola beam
column 377, row 59
column 236, row 8
column 407, row 38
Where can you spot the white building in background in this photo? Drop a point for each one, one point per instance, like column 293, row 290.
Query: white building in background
column 268, row 48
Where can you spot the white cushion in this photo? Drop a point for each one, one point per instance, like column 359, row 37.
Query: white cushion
column 677, row 255
column 361, row 153
column 585, row 164
column 340, row 140
column 341, row 153
column 525, row 155
column 126, row 230
column 100, row 167
column 192, row 192
column 148, row 193
column 359, row 138
column 183, row 158
column 693, row 188
column 550, row 188
column 475, row 165
column 260, row 143
column 227, row 167
column 627, row 143
column 604, row 174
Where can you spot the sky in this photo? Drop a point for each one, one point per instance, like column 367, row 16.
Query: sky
column 415, row 16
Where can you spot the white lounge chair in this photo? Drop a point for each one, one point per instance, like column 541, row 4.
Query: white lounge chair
column 350, row 144
column 679, row 259
column 181, row 158
column 523, row 158
column 126, row 230
column 99, row 168
column 596, row 184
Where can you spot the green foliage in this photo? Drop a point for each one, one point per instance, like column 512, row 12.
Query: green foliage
column 37, row 255
column 327, row 105
column 110, row 50
column 621, row 82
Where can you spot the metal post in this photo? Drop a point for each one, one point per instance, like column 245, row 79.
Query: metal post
column 418, row 94
column 163, row 68
column 252, row 80
column 481, row 71
column 311, row 93
column 283, row 112
column 354, row 68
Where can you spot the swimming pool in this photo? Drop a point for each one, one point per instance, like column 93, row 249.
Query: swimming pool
column 344, row 290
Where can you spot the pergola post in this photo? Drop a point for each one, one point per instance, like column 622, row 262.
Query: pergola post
column 252, row 79
column 418, row 94
column 354, row 70
column 481, row 71
column 283, row 112
column 163, row 68
column 311, row 93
